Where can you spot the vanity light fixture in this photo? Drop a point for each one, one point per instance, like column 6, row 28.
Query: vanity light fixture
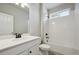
column 23, row 5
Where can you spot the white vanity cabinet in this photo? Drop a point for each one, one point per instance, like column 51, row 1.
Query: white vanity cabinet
column 27, row 48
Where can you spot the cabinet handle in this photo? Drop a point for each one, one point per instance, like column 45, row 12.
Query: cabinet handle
column 30, row 51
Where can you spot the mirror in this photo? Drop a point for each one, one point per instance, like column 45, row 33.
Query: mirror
column 14, row 18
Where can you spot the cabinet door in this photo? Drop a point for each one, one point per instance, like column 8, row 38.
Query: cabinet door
column 34, row 50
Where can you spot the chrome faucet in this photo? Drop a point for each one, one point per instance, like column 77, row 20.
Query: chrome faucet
column 18, row 35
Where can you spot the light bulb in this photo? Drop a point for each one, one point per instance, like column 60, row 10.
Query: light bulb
column 17, row 3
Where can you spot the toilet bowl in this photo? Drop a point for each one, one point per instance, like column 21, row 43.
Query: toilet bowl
column 44, row 47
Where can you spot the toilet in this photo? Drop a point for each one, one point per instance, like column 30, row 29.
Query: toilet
column 44, row 48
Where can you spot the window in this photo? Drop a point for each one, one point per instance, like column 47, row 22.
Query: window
column 62, row 13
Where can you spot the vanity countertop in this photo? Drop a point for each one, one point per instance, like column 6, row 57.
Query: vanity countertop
column 7, row 43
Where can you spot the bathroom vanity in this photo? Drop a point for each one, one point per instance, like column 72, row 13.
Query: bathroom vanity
column 27, row 45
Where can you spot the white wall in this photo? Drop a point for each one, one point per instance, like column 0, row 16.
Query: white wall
column 44, row 21
column 20, row 16
column 34, row 19
column 64, row 34
column 77, row 26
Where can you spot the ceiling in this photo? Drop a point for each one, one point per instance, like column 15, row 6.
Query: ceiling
column 51, row 5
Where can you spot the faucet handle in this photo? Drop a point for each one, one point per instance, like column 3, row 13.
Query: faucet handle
column 18, row 35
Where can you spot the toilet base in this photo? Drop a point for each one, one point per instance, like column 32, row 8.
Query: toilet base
column 43, row 52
